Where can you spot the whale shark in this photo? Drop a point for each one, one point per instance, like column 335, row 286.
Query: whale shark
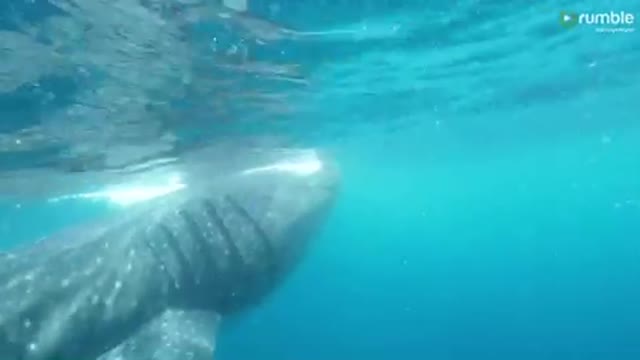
column 155, row 280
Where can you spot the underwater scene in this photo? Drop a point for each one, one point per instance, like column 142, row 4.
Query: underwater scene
column 313, row 180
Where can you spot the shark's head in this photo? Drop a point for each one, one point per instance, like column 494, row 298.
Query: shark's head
column 256, row 220
column 280, row 205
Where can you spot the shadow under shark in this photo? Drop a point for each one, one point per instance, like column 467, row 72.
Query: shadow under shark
column 153, row 282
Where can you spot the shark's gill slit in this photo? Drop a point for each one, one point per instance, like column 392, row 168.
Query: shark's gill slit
column 262, row 235
column 236, row 262
column 198, row 234
column 158, row 259
column 188, row 275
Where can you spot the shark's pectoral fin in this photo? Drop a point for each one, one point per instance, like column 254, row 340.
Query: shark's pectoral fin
column 175, row 334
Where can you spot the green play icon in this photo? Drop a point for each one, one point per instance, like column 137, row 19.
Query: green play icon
column 568, row 19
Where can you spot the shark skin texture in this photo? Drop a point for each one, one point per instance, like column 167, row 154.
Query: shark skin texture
column 153, row 281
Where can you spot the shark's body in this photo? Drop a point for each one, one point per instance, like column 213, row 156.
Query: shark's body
column 153, row 283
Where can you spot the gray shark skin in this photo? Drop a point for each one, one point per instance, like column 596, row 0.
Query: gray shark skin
column 153, row 282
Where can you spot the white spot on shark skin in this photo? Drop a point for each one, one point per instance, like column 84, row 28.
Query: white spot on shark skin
column 27, row 323
column 98, row 260
column 32, row 347
column 129, row 267
column 64, row 283
column 117, row 285
column 95, row 299
column 11, row 284
column 132, row 253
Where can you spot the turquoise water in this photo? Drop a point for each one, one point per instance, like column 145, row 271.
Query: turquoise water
column 490, row 205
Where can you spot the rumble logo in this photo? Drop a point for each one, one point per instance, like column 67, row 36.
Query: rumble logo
column 611, row 21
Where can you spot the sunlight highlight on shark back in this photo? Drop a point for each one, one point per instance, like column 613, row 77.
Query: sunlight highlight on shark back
column 125, row 195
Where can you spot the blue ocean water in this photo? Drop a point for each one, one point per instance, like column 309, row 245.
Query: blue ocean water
column 490, row 158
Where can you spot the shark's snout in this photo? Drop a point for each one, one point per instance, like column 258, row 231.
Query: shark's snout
column 305, row 176
column 328, row 174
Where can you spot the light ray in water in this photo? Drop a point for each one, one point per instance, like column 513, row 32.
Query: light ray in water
column 131, row 194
